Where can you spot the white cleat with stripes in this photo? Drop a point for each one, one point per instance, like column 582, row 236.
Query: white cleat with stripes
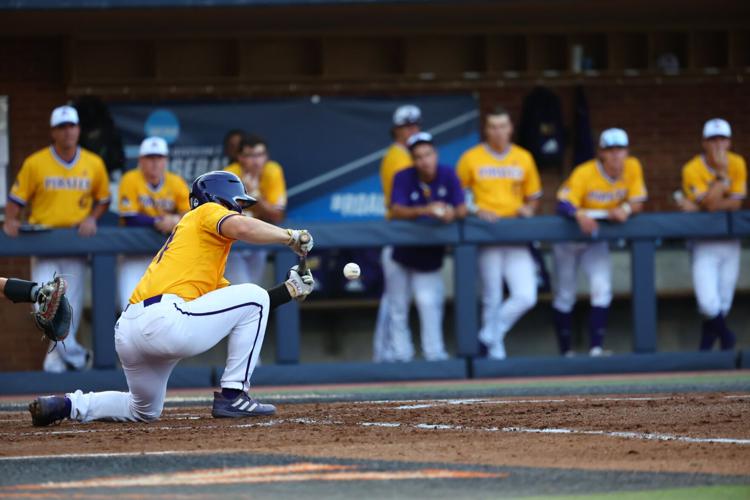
column 242, row 406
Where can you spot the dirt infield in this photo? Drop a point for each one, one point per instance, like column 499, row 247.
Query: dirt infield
column 693, row 432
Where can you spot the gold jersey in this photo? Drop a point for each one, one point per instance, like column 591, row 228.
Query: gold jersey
column 697, row 177
column 589, row 186
column 191, row 263
column 137, row 196
column 500, row 183
column 61, row 194
column 396, row 159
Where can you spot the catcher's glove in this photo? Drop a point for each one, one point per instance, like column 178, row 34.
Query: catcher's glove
column 54, row 313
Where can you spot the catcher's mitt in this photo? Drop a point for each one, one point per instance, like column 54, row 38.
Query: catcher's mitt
column 54, row 313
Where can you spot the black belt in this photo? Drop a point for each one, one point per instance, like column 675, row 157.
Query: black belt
column 148, row 302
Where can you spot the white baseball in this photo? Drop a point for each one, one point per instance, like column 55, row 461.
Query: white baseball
column 351, row 271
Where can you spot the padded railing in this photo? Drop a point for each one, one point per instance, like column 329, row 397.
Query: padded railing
column 642, row 232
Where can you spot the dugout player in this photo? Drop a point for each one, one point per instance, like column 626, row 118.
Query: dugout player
column 183, row 306
column 406, row 123
column 232, row 140
column 609, row 187
column 504, row 182
column 425, row 191
column 715, row 181
column 149, row 196
column 264, row 180
column 62, row 185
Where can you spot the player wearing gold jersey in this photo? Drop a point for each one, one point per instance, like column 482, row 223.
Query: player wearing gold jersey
column 149, row 197
column 61, row 186
column 504, row 182
column 610, row 187
column 714, row 181
column 264, row 180
column 183, row 306
column 405, row 123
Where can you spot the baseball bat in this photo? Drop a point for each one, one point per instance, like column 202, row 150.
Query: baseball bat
column 303, row 239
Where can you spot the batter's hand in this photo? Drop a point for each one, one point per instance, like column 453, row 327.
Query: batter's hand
column 294, row 243
column 87, row 226
column 588, row 225
column 299, row 285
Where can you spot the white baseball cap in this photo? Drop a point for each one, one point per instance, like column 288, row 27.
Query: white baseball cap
column 613, row 138
column 418, row 138
column 154, row 146
column 406, row 115
column 62, row 115
column 716, row 127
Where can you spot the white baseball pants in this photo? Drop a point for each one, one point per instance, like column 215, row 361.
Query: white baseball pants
column 246, row 266
column 386, row 348
column 716, row 267
column 132, row 268
column 151, row 340
column 594, row 259
column 73, row 269
column 428, row 291
column 515, row 265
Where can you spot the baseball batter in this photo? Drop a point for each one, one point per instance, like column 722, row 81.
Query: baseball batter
column 406, row 120
column 149, row 196
column 424, row 191
column 264, row 181
column 183, row 306
column 714, row 181
column 504, row 181
column 610, row 188
column 65, row 186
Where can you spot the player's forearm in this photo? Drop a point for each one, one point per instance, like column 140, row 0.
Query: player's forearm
column 407, row 213
column 12, row 210
column 636, row 207
column 462, row 211
column 720, row 204
column 532, row 205
column 253, row 230
column 98, row 210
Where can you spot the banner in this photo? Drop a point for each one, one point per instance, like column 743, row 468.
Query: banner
column 330, row 148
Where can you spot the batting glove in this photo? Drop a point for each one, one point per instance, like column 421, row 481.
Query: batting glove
column 300, row 285
column 295, row 244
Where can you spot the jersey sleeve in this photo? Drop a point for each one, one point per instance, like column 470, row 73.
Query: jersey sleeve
column 457, row 195
column 212, row 216
column 400, row 191
column 532, row 185
column 464, row 172
column 636, row 186
column 738, row 188
column 100, row 185
column 25, row 185
column 694, row 187
column 128, row 196
column 274, row 185
column 573, row 189
column 182, row 195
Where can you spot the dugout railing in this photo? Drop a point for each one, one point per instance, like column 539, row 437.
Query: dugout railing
column 643, row 233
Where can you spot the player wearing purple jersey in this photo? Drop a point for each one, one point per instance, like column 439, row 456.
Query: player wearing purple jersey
column 422, row 191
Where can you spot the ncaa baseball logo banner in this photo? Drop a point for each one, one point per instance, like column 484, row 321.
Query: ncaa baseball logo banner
column 330, row 148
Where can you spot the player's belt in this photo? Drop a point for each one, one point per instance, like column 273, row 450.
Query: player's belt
column 152, row 300
column 148, row 302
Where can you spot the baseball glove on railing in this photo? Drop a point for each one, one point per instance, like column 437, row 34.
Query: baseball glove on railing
column 54, row 313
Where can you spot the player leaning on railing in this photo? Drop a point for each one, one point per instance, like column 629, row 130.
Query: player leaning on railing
column 183, row 306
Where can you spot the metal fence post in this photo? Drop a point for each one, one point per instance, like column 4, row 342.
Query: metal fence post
column 465, row 300
column 104, row 284
column 287, row 316
column 643, row 295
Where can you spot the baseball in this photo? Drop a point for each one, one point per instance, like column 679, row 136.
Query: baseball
column 351, row 271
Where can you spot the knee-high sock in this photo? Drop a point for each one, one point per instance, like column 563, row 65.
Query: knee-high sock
column 710, row 330
column 598, row 325
column 564, row 329
column 726, row 336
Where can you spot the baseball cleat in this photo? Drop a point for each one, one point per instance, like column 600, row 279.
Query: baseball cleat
column 598, row 352
column 46, row 410
column 242, row 406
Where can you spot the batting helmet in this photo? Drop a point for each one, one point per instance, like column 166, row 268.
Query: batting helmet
column 223, row 188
